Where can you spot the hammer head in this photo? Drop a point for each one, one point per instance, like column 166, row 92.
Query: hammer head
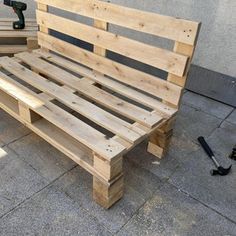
column 221, row 171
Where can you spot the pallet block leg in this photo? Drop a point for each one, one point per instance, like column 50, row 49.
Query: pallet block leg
column 109, row 190
column 27, row 114
column 32, row 43
column 159, row 141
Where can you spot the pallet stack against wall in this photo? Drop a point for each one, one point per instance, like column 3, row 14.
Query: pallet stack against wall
column 90, row 107
column 15, row 41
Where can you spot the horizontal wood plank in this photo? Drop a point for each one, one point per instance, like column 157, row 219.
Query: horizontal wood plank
column 18, row 34
column 148, row 83
column 160, row 58
column 11, row 49
column 164, row 26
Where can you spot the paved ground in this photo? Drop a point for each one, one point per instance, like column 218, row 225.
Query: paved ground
column 44, row 193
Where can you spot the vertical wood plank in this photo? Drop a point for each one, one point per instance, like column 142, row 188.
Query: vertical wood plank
column 186, row 50
column 104, row 26
column 98, row 50
column 32, row 43
column 109, row 191
column 43, row 7
column 27, row 114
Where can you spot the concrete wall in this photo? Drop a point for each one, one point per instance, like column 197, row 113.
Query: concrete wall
column 216, row 48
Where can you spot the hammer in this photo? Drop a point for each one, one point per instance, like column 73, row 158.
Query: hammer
column 220, row 170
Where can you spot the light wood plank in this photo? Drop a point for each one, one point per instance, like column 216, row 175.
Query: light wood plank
column 11, row 49
column 150, row 84
column 10, row 28
column 104, row 26
column 20, row 34
column 184, row 49
column 157, row 57
column 164, row 26
column 85, row 108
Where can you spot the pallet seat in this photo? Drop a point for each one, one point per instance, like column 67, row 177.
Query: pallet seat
column 89, row 106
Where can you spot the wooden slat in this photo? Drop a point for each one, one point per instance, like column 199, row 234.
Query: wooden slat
column 104, row 26
column 65, row 121
column 187, row 50
column 44, row 8
column 11, row 49
column 168, row 27
column 113, row 85
column 7, row 20
column 9, row 28
column 150, row 84
column 87, row 109
column 100, row 96
column 18, row 34
column 157, row 57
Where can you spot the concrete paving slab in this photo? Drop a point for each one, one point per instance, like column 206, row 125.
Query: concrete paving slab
column 139, row 186
column 171, row 212
column 232, row 117
column 1, row 143
column 50, row 212
column 43, row 157
column 10, row 128
column 223, row 139
column 217, row 192
column 163, row 168
column 18, row 180
column 207, row 105
column 192, row 123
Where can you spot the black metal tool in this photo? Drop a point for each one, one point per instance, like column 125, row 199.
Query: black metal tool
column 233, row 154
column 18, row 7
column 220, row 170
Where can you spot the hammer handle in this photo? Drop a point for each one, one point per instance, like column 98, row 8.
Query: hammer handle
column 206, row 147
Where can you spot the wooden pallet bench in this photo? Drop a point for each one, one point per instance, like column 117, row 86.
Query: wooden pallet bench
column 90, row 107
column 15, row 41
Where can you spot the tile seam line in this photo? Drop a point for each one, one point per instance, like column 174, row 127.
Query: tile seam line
column 17, row 139
column 136, row 212
column 202, row 203
column 35, row 194
column 27, row 163
column 199, row 109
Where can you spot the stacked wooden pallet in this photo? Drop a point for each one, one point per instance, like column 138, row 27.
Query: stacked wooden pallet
column 15, row 41
column 92, row 108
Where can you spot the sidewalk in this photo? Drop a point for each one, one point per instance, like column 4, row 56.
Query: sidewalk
column 42, row 192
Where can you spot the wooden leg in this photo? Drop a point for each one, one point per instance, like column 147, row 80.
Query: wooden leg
column 159, row 141
column 27, row 114
column 32, row 43
column 108, row 191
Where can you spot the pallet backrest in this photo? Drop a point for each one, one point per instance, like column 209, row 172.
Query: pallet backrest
column 176, row 63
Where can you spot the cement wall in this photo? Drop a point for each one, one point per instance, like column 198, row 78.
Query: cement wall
column 216, row 48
